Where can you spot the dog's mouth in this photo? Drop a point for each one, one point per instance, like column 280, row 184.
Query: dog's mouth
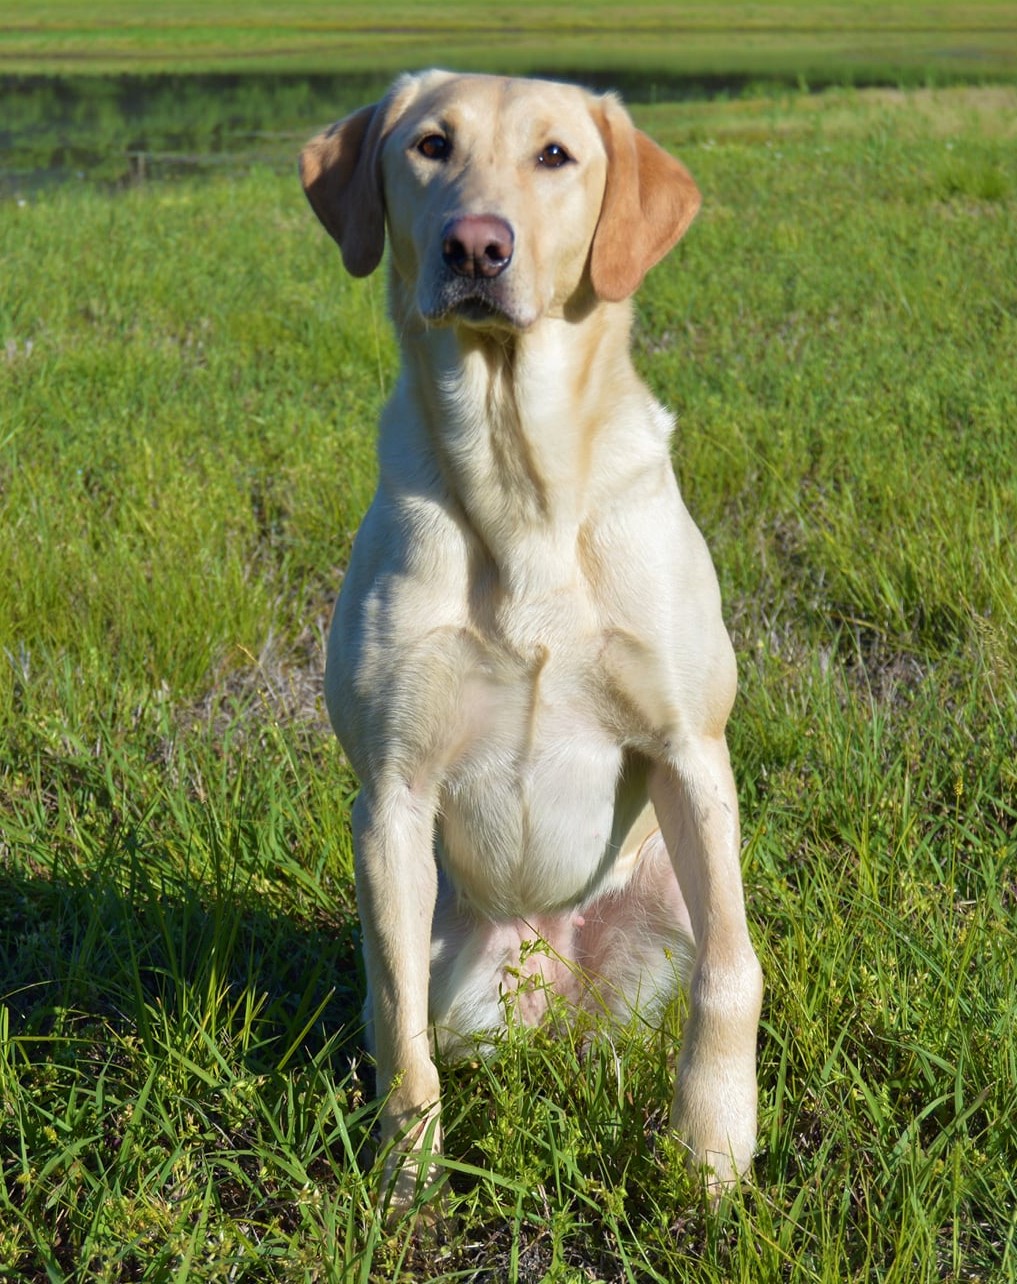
column 480, row 312
column 479, row 304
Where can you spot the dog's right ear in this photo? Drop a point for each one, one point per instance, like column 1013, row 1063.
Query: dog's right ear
column 341, row 173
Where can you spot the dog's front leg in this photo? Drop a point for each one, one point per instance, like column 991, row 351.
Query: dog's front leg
column 714, row 1109
column 396, row 889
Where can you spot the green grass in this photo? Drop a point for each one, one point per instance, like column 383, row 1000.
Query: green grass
column 188, row 387
column 864, row 41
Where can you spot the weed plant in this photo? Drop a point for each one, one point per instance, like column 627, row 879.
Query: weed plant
column 188, row 391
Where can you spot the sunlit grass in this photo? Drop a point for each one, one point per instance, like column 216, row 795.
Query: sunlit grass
column 829, row 41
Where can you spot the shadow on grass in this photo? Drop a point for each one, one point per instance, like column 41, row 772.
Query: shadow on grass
column 83, row 952
column 166, row 1060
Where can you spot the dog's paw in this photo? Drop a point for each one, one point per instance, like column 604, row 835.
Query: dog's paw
column 409, row 1177
column 714, row 1119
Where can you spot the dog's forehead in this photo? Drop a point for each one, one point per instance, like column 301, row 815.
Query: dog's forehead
column 488, row 103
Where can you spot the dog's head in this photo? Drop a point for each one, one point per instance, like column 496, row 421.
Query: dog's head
column 506, row 200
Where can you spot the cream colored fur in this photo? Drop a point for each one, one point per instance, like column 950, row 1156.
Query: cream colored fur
column 528, row 668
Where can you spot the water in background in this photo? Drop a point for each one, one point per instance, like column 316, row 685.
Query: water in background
column 125, row 129
column 122, row 129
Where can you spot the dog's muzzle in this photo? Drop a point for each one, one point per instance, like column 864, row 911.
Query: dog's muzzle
column 471, row 285
column 477, row 246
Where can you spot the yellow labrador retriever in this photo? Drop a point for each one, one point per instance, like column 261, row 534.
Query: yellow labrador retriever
column 527, row 666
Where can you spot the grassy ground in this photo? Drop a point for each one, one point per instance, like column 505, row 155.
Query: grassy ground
column 830, row 40
column 188, row 386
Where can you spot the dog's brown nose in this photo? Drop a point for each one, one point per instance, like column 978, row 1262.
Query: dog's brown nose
column 478, row 245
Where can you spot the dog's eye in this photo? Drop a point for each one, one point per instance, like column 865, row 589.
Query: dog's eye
column 553, row 156
column 435, row 147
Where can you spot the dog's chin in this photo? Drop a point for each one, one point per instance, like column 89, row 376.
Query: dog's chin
column 474, row 306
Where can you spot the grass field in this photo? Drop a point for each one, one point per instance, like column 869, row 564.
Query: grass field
column 188, row 387
column 845, row 39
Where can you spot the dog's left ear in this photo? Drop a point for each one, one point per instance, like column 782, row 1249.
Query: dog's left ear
column 649, row 201
column 341, row 173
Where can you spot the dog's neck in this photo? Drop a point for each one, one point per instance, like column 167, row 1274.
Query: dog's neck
column 532, row 432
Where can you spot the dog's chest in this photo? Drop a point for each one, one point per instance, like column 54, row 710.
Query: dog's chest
column 528, row 806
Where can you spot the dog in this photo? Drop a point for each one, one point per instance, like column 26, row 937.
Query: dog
column 527, row 666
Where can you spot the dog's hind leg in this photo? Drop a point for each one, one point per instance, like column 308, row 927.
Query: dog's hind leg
column 484, row 973
column 635, row 944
